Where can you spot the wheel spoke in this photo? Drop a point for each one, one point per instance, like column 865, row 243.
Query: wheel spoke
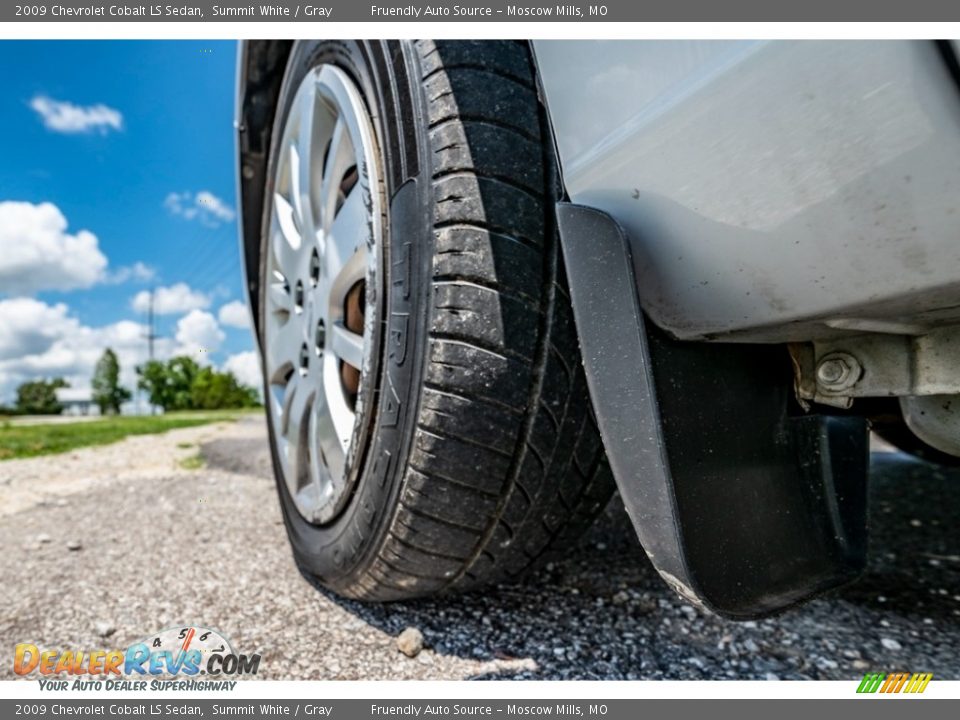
column 295, row 406
column 327, row 438
column 296, row 403
column 285, row 257
column 296, row 183
column 319, row 474
column 349, row 230
column 289, row 394
column 285, row 220
column 278, row 296
column 301, row 154
column 340, row 157
column 347, row 345
column 285, row 240
column 283, row 348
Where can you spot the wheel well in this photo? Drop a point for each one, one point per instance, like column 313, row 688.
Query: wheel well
column 260, row 73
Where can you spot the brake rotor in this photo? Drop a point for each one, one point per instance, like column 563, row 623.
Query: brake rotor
column 353, row 319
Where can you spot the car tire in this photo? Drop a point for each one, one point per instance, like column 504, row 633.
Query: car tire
column 479, row 455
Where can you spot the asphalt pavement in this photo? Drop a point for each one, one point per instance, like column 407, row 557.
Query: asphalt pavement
column 105, row 566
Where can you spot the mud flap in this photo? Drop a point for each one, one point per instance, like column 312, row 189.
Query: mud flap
column 744, row 504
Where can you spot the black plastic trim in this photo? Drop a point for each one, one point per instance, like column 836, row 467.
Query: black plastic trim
column 744, row 505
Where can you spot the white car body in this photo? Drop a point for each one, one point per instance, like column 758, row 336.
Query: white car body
column 770, row 191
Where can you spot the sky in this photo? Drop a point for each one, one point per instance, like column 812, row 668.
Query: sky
column 117, row 179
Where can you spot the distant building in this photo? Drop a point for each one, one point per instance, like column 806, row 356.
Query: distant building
column 77, row 401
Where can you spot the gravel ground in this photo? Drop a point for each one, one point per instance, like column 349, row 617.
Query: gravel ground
column 160, row 545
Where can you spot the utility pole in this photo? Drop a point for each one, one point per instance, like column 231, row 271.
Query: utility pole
column 151, row 336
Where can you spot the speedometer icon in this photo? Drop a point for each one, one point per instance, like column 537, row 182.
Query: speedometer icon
column 179, row 641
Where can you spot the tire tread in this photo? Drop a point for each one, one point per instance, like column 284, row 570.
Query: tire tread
column 507, row 464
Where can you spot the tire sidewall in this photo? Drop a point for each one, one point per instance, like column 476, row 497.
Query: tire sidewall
column 339, row 551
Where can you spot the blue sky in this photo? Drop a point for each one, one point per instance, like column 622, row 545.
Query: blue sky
column 132, row 143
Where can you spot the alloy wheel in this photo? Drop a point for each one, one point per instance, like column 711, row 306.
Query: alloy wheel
column 321, row 294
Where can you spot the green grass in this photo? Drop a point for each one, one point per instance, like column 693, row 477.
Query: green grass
column 20, row 441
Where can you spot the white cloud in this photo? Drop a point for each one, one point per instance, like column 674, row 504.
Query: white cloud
column 172, row 300
column 29, row 327
column 138, row 272
column 203, row 206
column 38, row 253
column 41, row 340
column 38, row 340
column 65, row 117
column 217, row 207
column 198, row 334
column 234, row 314
column 246, row 368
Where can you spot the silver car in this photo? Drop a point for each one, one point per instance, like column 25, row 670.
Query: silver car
column 494, row 281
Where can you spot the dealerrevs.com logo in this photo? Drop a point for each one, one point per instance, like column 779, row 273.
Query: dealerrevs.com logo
column 182, row 652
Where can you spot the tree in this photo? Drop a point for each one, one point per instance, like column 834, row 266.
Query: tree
column 39, row 397
column 214, row 390
column 107, row 391
column 181, row 384
column 169, row 384
column 152, row 377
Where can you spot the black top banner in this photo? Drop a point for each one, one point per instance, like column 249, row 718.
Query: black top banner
column 480, row 11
